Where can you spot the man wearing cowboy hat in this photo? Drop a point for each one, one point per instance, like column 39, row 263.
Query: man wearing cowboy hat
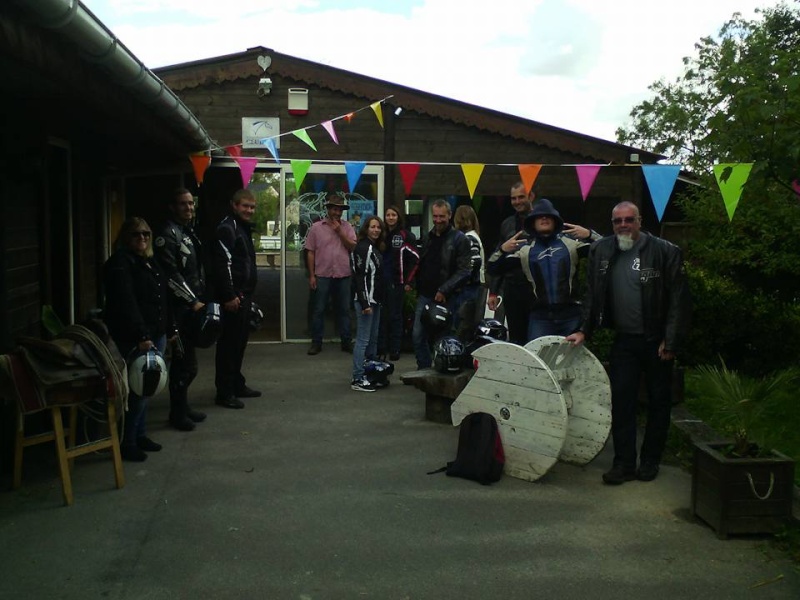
column 328, row 247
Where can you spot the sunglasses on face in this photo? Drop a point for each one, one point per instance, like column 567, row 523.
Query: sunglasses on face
column 626, row 220
column 142, row 234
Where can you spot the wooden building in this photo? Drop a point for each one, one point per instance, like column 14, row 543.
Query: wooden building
column 244, row 99
column 84, row 121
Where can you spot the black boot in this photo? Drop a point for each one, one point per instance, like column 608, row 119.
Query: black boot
column 179, row 409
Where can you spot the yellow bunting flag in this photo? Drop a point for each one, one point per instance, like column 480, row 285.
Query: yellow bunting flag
column 529, row 173
column 472, row 174
column 200, row 163
column 378, row 108
column 731, row 177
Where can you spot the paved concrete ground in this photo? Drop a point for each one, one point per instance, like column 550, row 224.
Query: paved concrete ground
column 317, row 492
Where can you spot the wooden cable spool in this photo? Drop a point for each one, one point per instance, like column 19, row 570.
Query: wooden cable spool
column 551, row 401
column 587, row 393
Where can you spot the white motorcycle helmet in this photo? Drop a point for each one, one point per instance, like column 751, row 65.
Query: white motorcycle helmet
column 147, row 373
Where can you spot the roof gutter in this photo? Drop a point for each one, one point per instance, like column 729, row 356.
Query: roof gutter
column 99, row 45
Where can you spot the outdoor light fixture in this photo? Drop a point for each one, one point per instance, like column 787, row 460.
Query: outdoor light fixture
column 398, row 111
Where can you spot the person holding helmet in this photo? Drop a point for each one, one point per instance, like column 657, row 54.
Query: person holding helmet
column 549, row 261
column 328, row 246
column 138, row 318
column 178, row 252
column 235, row 277
column 445, row 266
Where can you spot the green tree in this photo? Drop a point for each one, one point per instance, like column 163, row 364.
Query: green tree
column 738, row 101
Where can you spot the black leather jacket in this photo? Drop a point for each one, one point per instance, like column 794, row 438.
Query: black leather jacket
column 136, row 306
column 508, row 228
column 179, row 254
column 666, row 303
column 234, row 260
column 456, row 265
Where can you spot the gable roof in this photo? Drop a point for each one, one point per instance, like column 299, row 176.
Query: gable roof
column 244, row 65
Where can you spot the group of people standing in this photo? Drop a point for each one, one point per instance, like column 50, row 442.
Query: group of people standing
column 635, row 285
column 156, row 290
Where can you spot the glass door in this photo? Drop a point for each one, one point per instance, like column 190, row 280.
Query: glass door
column 302, row 208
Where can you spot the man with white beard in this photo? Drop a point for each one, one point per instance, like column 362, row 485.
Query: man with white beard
column 637, row 287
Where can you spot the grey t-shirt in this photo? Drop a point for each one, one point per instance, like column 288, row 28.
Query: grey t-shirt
column 626, row 292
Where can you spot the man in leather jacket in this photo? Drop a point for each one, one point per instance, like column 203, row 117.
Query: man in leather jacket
column 637, row 287
column 235, row 277
column 444, row 267
column 179, row 254
column 510, row 291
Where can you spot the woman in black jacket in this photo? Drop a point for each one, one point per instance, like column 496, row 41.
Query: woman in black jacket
column 367, row 266
column 137, row 316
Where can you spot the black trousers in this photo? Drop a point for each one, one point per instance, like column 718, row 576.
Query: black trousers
column 230, row 350
column 631, row 356
column 517, row 300
column 182, row 369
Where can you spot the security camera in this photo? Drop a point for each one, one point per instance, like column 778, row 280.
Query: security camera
column 264, row 86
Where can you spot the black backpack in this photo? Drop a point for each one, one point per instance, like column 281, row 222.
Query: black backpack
column 480, row 455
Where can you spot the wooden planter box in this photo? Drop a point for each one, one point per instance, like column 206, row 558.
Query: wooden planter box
column 741, row 495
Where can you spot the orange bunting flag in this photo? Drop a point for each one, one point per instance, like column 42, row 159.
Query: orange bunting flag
column 200, row 163
column 408, row 171
column 731, row 179
column 529, row 173
column 349, row 116
column 302, row 134
column 586, row 176
column 378, row 108
column 472, row 174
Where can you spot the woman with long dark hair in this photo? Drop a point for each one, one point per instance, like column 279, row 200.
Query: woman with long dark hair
column 399, row 264
column 367, row 266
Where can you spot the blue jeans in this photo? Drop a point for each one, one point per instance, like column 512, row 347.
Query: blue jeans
column 630, row 357
column 137, row 409
column 539, row 327
column 366, row 337
column 419, row 335
column 339, row 289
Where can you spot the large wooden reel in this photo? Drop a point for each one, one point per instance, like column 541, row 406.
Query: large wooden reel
column 587, row 393
column 520, row 391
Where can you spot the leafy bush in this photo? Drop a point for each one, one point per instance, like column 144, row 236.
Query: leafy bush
column 744, row 327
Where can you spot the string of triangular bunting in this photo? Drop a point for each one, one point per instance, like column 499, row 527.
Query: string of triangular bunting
column 660, row 179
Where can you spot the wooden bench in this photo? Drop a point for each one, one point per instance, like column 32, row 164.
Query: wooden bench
column 441, row 389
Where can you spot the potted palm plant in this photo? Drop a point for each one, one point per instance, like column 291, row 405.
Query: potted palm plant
column 740, row 486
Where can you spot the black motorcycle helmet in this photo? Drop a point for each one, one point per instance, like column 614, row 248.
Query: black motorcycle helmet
column 207, row 325
column 256, row 317
column 448, row 354
column 436, row 318
column 492, row 328
column 377, row 372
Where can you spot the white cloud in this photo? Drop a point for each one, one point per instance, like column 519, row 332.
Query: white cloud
column 576, row 64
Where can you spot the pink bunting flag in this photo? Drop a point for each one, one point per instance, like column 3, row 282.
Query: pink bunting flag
column 235, row 150
column 328, row 125
column 247, row 165
column 586, row 176
column 408, row 171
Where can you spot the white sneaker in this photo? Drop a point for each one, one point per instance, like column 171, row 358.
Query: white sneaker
column 361, row 385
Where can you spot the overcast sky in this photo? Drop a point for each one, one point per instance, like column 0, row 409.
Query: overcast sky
column 576, row 64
